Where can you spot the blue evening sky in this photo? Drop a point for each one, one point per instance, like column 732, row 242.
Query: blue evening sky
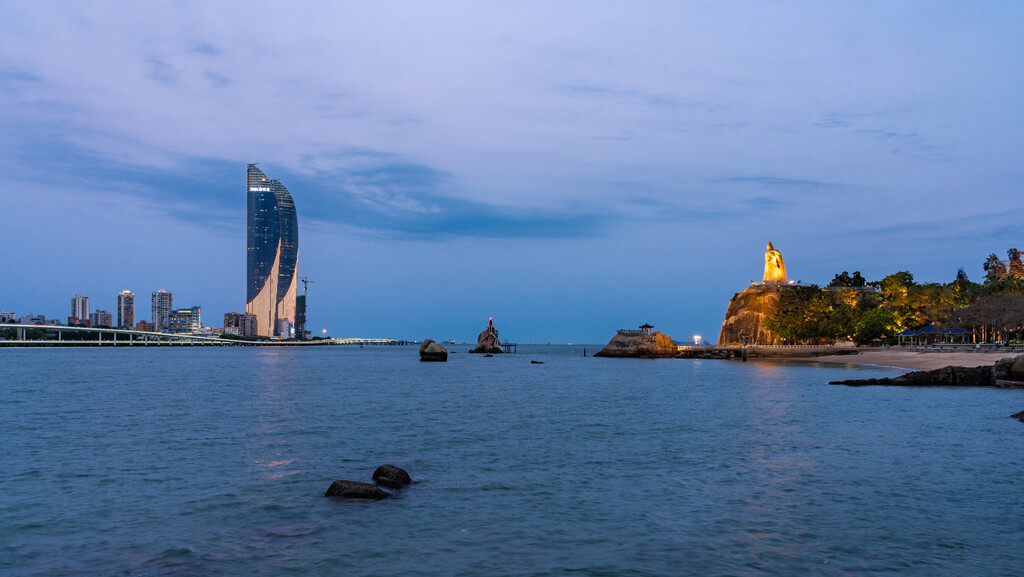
column 569, row 168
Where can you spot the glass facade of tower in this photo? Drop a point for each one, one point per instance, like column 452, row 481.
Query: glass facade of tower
column 272, row 252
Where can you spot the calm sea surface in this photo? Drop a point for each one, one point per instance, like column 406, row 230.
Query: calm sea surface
column 214, row 462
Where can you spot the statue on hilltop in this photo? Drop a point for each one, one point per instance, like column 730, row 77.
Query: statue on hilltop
column 774, row 268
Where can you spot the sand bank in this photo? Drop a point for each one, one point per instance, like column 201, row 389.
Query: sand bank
column 918, row 361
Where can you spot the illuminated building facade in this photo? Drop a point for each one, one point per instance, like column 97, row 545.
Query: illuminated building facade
column 272, row 253
column 185, row 321
column 125, row 309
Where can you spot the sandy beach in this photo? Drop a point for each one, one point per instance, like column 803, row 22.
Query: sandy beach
column 918, row 361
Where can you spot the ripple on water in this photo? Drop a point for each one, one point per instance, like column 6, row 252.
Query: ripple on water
column 217, row 466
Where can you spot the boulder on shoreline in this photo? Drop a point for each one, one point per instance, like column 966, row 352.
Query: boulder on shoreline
column 1007, row 372
column 391, row 476
column 356, row 490
column 633, row 344
column 432, row 351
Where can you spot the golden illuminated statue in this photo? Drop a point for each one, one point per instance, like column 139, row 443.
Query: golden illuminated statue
column 774, row 268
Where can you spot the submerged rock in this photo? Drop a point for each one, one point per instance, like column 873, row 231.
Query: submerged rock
column 391, row 476
column 356, row 490
column 1019, row 416
column 432, row 351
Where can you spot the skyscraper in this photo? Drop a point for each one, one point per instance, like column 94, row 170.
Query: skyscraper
column 163, row 303
column 80, row 308
column 272, row 253
column 126, row 310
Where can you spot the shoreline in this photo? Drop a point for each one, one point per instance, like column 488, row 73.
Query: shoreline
column 909, row 360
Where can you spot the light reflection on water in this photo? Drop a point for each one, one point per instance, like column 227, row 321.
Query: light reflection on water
column 218, row 464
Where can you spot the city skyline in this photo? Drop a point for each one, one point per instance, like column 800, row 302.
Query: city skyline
column 567, row 172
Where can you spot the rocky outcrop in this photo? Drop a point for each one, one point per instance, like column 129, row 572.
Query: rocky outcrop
column 432, row 351
column 391, row 476
column 1008, row 372
column 639, row 344
column 356, row 490
column 746, row 313
column 487, row 342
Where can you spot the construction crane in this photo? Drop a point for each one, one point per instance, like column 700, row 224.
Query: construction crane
column 305, row 284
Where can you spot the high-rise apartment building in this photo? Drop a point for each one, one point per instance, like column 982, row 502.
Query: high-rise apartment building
column 80, row 308
column 163, row 304
column 185, row 321
column 101, row 318
column 241, row 324
column 126, row 310
column 271, row 253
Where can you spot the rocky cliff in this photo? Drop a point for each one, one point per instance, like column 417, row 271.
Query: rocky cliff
column 746, row 313
column 637, row 344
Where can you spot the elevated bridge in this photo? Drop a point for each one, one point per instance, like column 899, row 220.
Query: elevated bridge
column 66, row 336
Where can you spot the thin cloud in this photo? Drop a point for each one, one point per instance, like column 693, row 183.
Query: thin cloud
column 162, row 72
column 774, row 182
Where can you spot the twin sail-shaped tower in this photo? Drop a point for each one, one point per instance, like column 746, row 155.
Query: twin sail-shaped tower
column 271, row 256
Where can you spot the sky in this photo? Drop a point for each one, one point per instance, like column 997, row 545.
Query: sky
column 568, row 168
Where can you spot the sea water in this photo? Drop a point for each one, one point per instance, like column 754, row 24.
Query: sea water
column 193, row 461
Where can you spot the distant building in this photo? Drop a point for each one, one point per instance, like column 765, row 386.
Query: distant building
column 73, row 322
column 125, row 309
column 8, row 317
column 300, row 316
column 163, row 303
column 284, row 329
column 31, row 319
column 185, row 321
column 271, row 253
column 144, row 326
column 80, row 308
column 101, row 318
column 241, row 324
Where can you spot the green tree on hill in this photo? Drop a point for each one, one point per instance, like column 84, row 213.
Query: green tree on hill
column 993, row 310
column 845, row 279
column 995, row 269
column 1015, row 267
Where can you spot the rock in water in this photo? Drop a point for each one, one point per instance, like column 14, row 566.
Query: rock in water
column 356, row 490
column 432, row 351
column 391, row 476
column 639, row 344
column 1019, row 416
column 487, row 342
